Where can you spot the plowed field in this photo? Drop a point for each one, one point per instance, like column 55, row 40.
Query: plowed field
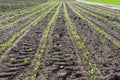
column 60, row 40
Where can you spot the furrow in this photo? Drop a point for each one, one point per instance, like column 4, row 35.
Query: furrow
column 100, row 31
column 20, row 57
column 103, row 54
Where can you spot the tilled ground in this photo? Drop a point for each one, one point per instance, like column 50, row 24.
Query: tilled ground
column 6, row 34
column 24, row 50
column 63, row 59
column 113, row 30
column 103, row 53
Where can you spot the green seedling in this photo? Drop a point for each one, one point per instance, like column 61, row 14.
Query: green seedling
column 12, row 60
column 38, row 63
column 90, row 64
column 86, row 56
column 43, row 46
column 93, row 72
column 77, row 37
column 96, row 28
column 26, row 61
column 36, row 68
column 56, row 53
column 33, row 77
column 22, row 18
column 81, row 44
column 4, row 46
column 39, row 56
column 42, row 51
column 30, row 49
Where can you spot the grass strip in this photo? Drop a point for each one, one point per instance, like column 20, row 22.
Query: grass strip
column 113, row 2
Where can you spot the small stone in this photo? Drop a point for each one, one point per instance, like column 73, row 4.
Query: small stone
column 61, row 67
column 57, row 35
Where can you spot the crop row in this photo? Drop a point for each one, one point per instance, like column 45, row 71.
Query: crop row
column 8, row 6
column 14, row 12
column 6, row 45
column 108, row 27
column 15, row 5
column 99, row 17
column 96, row 28
column 8, row 13
column 102, row 8
column 80, row 43
column 28, row 9
column 101, row 11
column 43, row 46
column 105, row 14
column 23, row 18
column 22, row 13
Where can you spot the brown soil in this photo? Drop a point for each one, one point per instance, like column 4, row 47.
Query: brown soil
column 25, row 49
column 109, row 28
column 114, row 17
column 103, row 53
column 62, row 60
column 6, row 34
column 104, row 7
column 67, row 64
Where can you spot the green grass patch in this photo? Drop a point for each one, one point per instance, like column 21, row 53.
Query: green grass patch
column 114, row 2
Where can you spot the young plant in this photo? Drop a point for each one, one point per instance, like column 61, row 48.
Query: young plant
column 43, row 47
column 12, row 60
column 97, row 29
column 56, row 53
column 4, row 46
column 26, row 61
column 81, row 44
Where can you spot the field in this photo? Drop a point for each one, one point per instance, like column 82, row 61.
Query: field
column 115, row 2
column 8, row 5
column 59, row 40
